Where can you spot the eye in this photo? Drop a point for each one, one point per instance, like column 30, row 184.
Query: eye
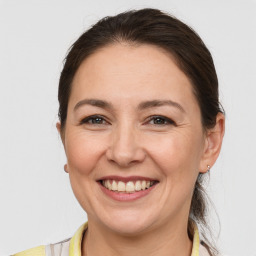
column 160, row 120
column 94, row 120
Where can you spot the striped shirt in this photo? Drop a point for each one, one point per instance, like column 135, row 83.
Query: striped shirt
column 72, row 246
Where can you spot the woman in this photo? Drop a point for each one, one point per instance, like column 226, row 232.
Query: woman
column 141, row 124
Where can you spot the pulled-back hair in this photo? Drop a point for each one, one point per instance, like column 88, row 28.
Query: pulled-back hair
column 151, row 26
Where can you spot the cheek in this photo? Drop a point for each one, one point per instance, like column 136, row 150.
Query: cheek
column 83, row 151
column 174, row 151
column 177, row 156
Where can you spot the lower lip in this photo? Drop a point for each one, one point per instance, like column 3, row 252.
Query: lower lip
column 124, row 197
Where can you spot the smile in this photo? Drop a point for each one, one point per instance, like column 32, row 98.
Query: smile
column 127, row 187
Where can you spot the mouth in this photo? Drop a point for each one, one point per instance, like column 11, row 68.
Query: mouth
column 127, row 185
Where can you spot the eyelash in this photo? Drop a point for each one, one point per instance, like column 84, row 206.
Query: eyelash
column 91, row 119
column 167, row 121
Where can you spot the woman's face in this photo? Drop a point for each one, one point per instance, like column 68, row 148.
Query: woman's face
column 133, row 121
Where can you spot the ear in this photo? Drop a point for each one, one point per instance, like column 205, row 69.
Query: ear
column 66, row 168
column 61, row 133
column 213, row 142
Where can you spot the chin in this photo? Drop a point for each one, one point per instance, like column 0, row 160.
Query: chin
column 127, row 228
column 129, row 223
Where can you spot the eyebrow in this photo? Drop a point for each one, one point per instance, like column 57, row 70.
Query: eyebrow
column 160, row 103
column 143, row 105
column 94, row 102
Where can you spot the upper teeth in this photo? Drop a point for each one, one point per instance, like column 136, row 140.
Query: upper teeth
column 130, row 186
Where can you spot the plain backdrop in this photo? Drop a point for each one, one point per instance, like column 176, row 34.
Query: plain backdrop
column 37, row 205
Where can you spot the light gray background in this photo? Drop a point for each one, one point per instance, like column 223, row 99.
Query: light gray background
column 37, row 205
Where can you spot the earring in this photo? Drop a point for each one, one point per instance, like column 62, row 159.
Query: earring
column 66, row 168
column 208, row 168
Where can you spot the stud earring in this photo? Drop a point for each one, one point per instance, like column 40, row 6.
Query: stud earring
column 208, row 168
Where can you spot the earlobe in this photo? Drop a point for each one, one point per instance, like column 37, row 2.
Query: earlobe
column 66, row 168
column 213, row 144
column 58, row 126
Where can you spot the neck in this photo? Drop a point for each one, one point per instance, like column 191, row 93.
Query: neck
column 169, row 240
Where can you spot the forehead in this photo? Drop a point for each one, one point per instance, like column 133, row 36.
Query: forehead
column 122, row 70
column 125, row 59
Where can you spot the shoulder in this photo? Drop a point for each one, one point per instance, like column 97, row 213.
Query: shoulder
column 72, row 245
column 36, row 251
column 57, row 249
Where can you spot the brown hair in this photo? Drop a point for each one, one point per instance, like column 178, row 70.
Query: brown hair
column 151, row 26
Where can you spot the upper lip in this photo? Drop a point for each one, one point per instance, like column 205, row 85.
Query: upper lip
column 126, row 179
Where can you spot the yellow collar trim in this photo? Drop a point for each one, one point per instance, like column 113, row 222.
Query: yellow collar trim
column 76, row 242
column 196, row 243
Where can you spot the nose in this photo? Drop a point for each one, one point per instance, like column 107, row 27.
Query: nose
column 125, row 148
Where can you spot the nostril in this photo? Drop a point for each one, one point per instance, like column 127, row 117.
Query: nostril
column 125, row 157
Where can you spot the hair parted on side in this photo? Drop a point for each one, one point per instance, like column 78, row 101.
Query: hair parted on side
column 152, row 26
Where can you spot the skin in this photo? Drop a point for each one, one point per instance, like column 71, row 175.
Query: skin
column 128, row 142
